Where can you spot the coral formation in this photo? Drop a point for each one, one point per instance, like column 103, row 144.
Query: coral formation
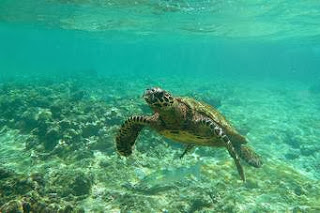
column 57, row 150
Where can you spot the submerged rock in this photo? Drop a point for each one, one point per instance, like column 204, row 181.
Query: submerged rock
column 5, row 173
column 104, row 143
column 81, row 185
column 70, row 182
column 308, row 150
column 91, row 129
column 14, row 206
column 52, row 138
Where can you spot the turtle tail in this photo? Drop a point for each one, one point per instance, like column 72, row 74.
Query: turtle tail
column 248, row 155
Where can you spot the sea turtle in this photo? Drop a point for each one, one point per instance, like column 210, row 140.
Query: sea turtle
column 187, row 121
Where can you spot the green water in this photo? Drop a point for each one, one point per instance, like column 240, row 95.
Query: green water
column 71, row 72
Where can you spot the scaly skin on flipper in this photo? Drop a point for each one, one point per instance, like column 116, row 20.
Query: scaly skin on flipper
column 187, row 121
column 248, row 155
column 218, row 132
column 129, row 132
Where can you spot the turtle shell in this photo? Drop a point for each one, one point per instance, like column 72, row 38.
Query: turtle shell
column 209, row 111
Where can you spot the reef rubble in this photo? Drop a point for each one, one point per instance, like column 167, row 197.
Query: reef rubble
column 57, row 150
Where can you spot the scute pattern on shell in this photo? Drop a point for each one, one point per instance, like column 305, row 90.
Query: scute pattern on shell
column 216, row 116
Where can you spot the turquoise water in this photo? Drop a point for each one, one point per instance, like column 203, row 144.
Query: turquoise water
column 71, row 72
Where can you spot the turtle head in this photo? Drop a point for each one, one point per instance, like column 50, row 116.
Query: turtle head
column 158, row 98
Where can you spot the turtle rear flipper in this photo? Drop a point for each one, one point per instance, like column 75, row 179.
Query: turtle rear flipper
column 248, row 155
column 234, row 155
column 218, row 132
column 187, row 149
column 128, row 134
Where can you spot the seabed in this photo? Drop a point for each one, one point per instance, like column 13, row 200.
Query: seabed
column 57, row 148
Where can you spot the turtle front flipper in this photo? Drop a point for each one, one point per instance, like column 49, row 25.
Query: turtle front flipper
column 218, row 132
column 129, row 132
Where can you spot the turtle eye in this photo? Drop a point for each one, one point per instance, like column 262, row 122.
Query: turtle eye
column 159, row 94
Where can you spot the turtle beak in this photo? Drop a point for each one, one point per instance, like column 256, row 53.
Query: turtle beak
column 148, row 95
column 152, row 95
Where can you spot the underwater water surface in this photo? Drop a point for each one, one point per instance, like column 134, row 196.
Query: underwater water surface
column 73, row 71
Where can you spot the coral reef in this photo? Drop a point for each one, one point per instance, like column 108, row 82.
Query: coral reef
column 57, row 149
column 55, row 116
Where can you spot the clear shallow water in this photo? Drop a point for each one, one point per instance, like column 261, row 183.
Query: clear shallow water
column 233, row 19
column 28, row 49
column 72, row 71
